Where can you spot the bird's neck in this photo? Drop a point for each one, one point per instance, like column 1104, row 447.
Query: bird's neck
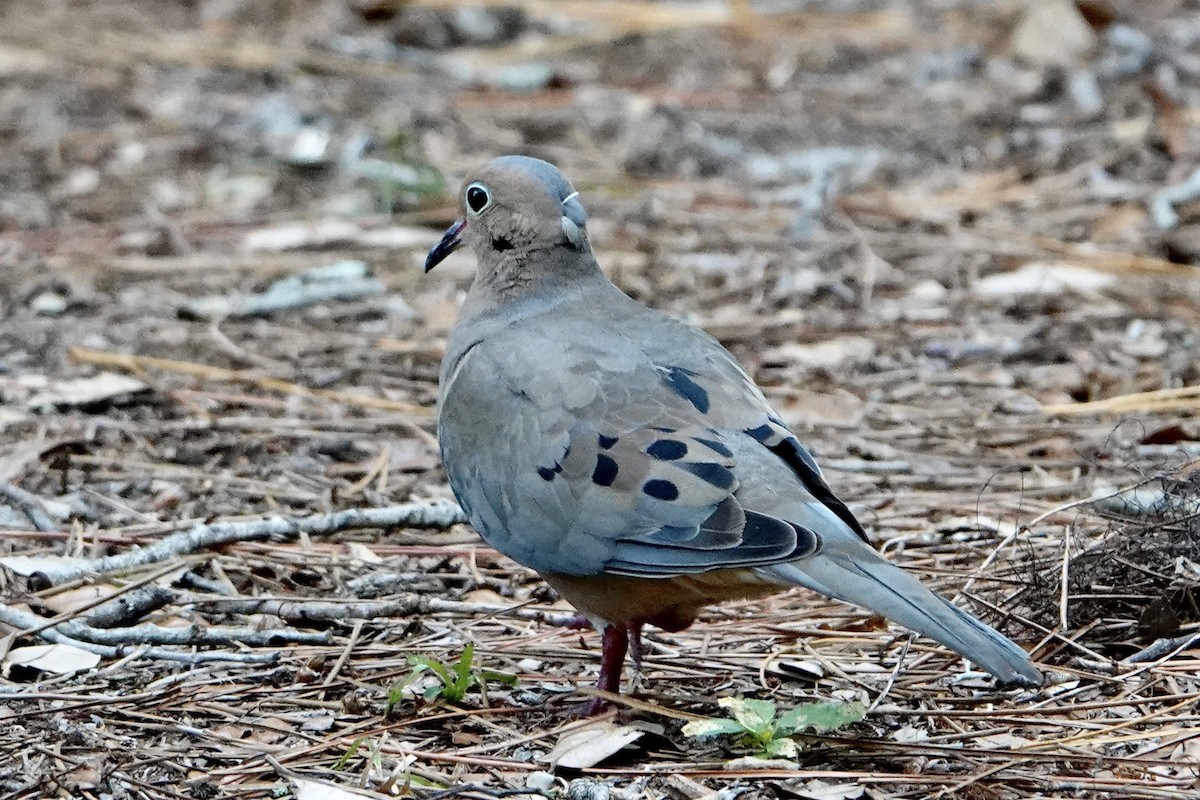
column 509, row 277
column 509, row 290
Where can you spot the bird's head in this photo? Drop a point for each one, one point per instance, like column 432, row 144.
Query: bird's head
column 511, row 206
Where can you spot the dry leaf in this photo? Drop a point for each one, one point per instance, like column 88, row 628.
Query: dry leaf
column 1002, row 741
column 829, row 353
column 910, row 733
column 61, row 659
column 41, row 392
column 1042, row 278
column 363, row 553
column 77, row 598
column 588, row 746
column 820, row 790
column 31, row 565
column 314, row 790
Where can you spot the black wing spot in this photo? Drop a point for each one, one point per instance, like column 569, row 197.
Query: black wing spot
column 605, row 472
column 680, row 380
column 606, row 442
column 660, row 489
column 501, row 243
column 548, row 473
column 762, row 434
column 667, row 450
column 716, row 447
column 714, row 474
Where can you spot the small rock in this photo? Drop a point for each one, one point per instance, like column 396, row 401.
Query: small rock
column 524, row 77
column 1053, row 33
column 84, row 180
column 539, row 781
column 1183, row 245
column 588, row 789
column 441, row 28
column 308, row 148
column 1128, row 51
column 1163, row 202
column 1085, row 93
column 48, row 304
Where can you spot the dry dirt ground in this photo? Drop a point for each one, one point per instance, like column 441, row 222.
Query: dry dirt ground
column 956, row 241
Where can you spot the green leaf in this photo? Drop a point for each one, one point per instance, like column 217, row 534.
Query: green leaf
column 822, row 717
column 782, row 747
column 350, row 751
column 754, row 715
column 433, row 692
column 507, row 678
column 712, row 727
column 396, row 693
column 425, row 662
column 463, row 668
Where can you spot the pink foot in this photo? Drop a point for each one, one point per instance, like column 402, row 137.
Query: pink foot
column 616, row 642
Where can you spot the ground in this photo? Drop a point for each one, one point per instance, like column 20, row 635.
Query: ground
column 956, row 242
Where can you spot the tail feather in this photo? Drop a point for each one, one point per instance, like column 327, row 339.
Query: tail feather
column 868, row 580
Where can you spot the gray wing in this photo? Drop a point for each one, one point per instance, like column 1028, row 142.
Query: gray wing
column 609, row 456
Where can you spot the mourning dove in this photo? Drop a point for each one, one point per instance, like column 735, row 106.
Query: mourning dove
column 627, row 457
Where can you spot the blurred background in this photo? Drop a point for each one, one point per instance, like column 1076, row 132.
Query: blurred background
column 956, row 241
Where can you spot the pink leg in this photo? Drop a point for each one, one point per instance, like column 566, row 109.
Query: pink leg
column 614, row 646
column 612, row 657
column 635, row 644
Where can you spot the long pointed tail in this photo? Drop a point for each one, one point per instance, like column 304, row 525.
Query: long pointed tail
column 868, row 580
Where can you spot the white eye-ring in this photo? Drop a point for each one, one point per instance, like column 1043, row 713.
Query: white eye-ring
column 478, row 198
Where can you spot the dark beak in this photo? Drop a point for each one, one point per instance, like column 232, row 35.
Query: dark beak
column 451, row 240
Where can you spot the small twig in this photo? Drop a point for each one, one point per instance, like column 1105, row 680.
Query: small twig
column 1028, row 527
column 1157, row 400
column 76, row 612
column 302, row 611
column 141, row 363
column 412, row 515
column 406, row 605
column 892, row 678
column 30, row 504
column 345, row 656
column 128, row 607
column 1165, row 648
column 194, row 634
column 1064, row 579
column 25, row 620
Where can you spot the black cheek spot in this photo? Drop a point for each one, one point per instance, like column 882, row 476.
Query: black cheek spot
column 660, row 489
column 606, row 442
column 680, row 380
column 716, row 447
column 605, row 472
column 501, row 243
column 667, row 450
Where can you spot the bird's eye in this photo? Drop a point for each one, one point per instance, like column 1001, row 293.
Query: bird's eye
column 478, row 198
